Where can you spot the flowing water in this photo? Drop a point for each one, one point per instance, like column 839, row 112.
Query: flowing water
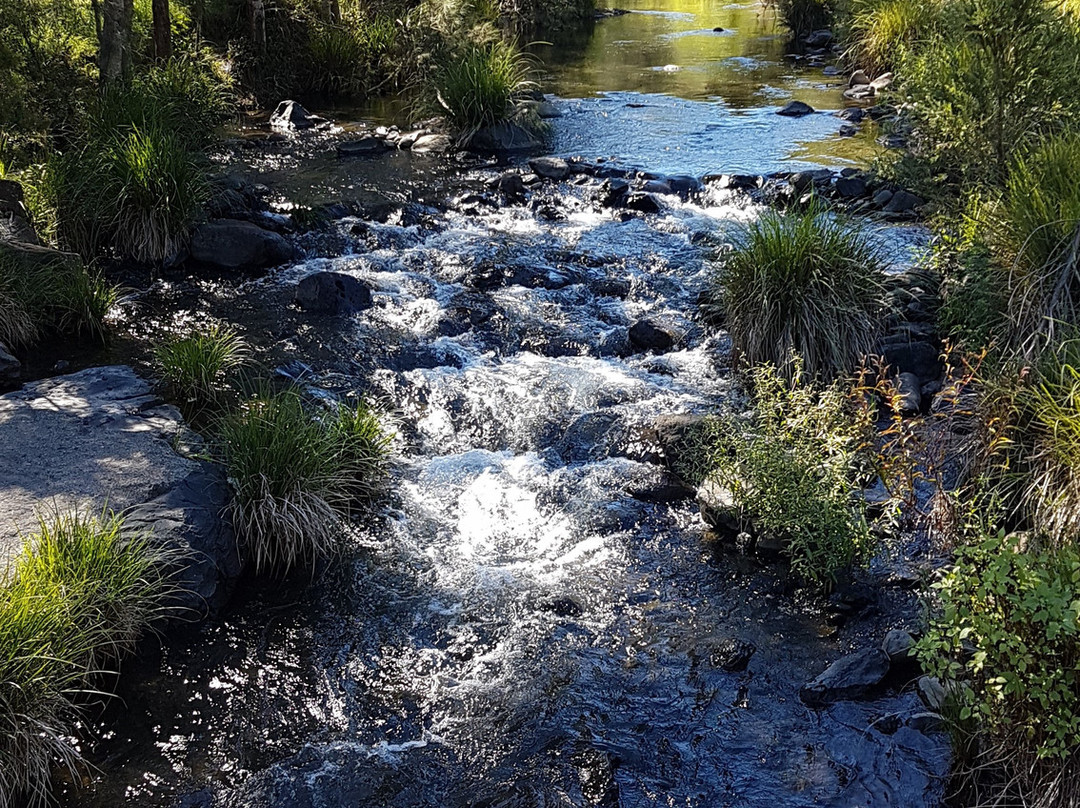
column 529, row 621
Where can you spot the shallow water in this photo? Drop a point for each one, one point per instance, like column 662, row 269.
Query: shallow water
column 528, row 621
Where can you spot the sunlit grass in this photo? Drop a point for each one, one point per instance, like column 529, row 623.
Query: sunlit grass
column 197, row 366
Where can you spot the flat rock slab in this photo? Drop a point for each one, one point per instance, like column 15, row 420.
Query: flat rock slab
column 101, row 436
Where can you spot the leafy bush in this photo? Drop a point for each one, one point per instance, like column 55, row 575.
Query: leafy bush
column 43, row 296
column 1007, row 634
column 802, row 283
column 76, row 599
column 479, row 86
column 198, row 365
column 792, row 471
column 993, row 77
column 296, row 474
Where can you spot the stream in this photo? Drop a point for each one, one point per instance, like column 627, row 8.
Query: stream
column 529, row 621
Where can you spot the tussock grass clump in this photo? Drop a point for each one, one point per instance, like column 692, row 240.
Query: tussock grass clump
column 479, row 85
column 39, row 296
column 800, row 283
column 802, row 17
column 76, row 600
column 881, row 31
column 197, row 366
column 352, row 57
column 296, row 474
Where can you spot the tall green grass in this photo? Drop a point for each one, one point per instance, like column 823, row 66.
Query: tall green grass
column 296, row 474
column 880, row 32
column 197, row 366
column 54, row 296
column 351, row 57
column 75, row 601
column 800, row 283
column 480, row 85
column 802, row 17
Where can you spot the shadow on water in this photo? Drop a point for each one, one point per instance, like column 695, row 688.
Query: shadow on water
column 528, row 622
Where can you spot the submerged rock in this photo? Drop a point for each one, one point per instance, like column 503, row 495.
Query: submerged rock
column 855, row 676
column 234, row 244
column 366, row 146
column 333, row 293
column 504, row 137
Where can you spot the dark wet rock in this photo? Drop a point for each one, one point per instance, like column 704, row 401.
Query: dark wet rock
column 851, row 187
column 432, row 144
column 290, row 116
column 510, row 184
column 596, row 774
column 615, row 342
column 882, row 198
column 610, row 287
column 819, row 39
column 10, row 367
column 916, row 357
column 897, row 646
column 795, row 109
column 854, row 115
column 550, row 168
column 732, row 655
column 656, row 187
column 804, row 181
column 909, row 389
column 646, row 335
column 855, row 676
column 504, row 137
column 189, row 516
column 903, row 202
column 739, row 182
column 233, row 244
column 367, row 146
column 675, row 435
column 547, row 110
column 592, row 436
column 932, row 693
column 613, row 193
column 643, row 202
column 848, row 130
column 563, row 607
column 664, row 487
column 857, row 78
column 333, row 293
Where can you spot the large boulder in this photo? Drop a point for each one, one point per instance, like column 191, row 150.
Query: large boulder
column 795, row 109
column 550, row 168
column 504, row 137
column 646, row 335
column 855, row 676
column 234, row 244
column 333, row 293
column 100, row 436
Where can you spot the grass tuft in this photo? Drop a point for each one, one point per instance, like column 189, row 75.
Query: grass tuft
column 76, row 600
column 197, row 366
column 480, row 85
column 296, row 474
column 800, row 283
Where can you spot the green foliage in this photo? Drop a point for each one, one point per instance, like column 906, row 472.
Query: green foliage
column 353, row 56
column 49, row 296
column 76, row 599
column 479, row 86
column 803, row 283
column 295, row 474
column 1007, row 634
column 881, row 32
column 993, row 77
column 792, row 470
column 197, row 366
column 801, row 17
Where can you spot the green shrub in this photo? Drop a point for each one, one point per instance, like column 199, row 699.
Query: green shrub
column 792, row 471
column 197, row 366
column 76, row 599
column 802, row 283
column 479, row 86
column 351, row 57
column 1007, row 635
column 40, row 296
column 295, row 474
column 994, row 76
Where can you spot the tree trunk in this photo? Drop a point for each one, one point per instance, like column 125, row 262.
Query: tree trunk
column 257, row 18
column 129, row 15
column 162, row 30
column 111, row 41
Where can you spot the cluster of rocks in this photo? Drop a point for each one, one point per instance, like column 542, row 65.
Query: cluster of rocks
column 910, row 346
column 862, row 88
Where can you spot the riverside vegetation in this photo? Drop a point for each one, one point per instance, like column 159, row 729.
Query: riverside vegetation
column 992, row 131
column 985, row 91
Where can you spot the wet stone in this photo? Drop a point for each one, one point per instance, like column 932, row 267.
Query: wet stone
column 648, row 336
column 855, row 676
column 795, row 109
column 333, row 293
column 363, row 147
column 550, row 168
column 732, row 655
